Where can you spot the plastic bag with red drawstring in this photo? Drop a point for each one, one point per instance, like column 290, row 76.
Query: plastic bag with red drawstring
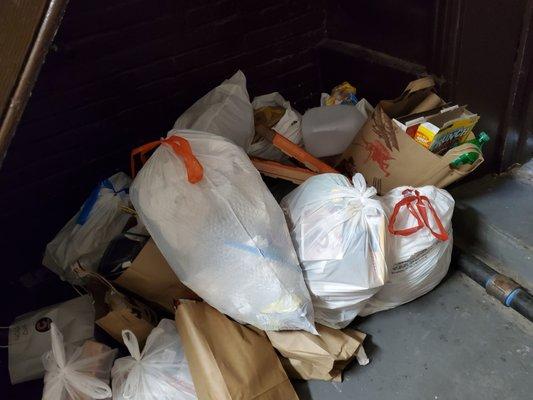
column 223, row 234
column 420, row 244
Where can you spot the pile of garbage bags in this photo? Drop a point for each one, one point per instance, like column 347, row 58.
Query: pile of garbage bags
column 198, row 232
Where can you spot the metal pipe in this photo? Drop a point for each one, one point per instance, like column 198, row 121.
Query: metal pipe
column 507, row 291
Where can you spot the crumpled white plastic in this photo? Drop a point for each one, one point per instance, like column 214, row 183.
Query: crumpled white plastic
column 71, row 375
column 290, row 126
column 160, row 372
column 419, row 260
column 86, row 236
column 226, row 110
column 339, row 233
column 225, row 236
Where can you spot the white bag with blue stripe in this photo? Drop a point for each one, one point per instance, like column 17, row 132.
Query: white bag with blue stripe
column 86, row 236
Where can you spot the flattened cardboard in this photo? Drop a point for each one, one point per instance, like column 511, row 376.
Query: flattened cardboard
column 151, row 277
column 229, row 361
column 323, row 357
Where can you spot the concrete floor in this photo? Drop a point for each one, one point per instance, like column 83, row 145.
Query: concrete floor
column 454, row 343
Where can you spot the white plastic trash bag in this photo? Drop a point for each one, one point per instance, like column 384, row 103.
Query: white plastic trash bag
column 226, row 111
column 339, row 232
column 29, row 335
column 77, row 372
column 160, row 372
column 86, row 236
column 225, row 236
column 290, row 126
column 420, row 241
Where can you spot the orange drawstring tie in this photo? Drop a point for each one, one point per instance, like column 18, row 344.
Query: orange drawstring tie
column 181, row 147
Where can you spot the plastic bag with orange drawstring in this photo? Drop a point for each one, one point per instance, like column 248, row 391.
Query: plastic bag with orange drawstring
column 218, row 226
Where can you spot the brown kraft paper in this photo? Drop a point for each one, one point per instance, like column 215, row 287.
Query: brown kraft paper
column 323, row 357
column 150, row 277
column 229, row 361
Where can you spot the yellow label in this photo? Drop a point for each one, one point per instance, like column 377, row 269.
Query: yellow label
column 425, row 134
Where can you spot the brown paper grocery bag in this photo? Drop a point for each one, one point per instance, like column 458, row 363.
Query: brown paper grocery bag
column 388, row 157
column 151, row 277
column 229, row 361
column 115, row 321
column 307, row 356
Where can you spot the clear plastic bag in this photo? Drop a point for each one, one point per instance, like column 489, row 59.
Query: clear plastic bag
column 225, row 236
column 77, row 373
column 160, row 372
column 226, row 111
column 85, row 237
column 339, row 233
column 420, row 242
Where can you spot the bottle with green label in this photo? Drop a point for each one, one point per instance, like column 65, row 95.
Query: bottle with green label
column 472, row 156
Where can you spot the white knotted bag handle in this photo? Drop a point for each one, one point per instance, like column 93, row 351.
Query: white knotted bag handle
column 74, row 381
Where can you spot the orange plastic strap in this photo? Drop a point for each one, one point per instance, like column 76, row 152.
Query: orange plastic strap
column 421, row 216
column 141, row 151
column 181, row 147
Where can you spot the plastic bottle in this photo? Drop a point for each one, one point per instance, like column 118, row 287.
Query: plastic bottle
column 471, row 156
column 329, row 130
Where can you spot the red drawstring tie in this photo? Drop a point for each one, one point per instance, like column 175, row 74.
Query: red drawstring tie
column 181, row 147
column 421, row 216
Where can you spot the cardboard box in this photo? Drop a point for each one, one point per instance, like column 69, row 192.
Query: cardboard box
column 388, row 157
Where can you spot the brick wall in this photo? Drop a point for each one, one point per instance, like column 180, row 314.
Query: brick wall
column 119, row 74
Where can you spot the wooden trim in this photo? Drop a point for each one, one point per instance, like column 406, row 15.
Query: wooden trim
column 47, row 28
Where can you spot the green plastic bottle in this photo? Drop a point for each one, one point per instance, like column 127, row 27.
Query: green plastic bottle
column 472, row 156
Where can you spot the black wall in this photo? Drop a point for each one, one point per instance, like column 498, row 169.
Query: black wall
column 119, row 74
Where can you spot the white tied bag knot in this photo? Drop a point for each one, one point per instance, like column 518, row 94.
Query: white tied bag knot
column 338, row 229
column 70, row 375
column 159, row 372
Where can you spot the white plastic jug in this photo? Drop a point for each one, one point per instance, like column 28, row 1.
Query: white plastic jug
column 329, row 130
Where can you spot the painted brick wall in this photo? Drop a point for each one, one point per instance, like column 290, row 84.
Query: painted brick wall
column 119, row 74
